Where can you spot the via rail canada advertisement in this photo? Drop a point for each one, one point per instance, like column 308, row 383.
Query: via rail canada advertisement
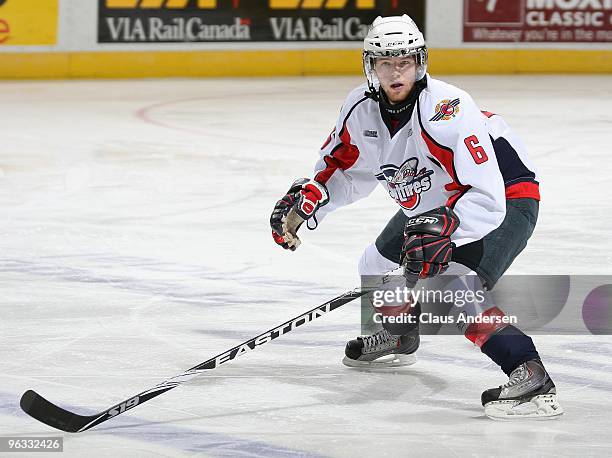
column 192, row 21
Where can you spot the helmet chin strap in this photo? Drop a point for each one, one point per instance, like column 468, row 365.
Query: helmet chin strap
column 372, row 93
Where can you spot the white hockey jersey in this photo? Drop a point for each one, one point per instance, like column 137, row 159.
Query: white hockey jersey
column 449, row 153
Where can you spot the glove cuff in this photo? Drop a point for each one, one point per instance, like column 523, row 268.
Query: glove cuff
column 441, row 221
column 312, row 196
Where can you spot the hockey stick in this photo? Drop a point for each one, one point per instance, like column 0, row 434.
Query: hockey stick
column 46, row 412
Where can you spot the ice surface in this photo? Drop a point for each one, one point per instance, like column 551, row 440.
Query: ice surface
column 134, row 243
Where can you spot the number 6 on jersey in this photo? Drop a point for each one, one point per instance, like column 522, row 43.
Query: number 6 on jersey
column 477, row 151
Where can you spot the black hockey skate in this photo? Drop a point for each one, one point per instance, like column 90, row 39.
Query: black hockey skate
column 382, row 349
column 530, row 393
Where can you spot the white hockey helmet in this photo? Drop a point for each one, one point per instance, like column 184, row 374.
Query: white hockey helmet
column 393, row 36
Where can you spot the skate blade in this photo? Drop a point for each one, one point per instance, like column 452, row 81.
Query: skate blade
column 395, row 360
column 542, row 407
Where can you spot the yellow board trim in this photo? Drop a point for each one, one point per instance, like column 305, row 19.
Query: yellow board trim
column 513, row 61
column 306, row 62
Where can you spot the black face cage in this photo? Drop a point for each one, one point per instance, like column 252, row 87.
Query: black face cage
column 369, row 59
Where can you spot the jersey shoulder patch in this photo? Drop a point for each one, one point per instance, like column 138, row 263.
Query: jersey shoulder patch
column 446, row 109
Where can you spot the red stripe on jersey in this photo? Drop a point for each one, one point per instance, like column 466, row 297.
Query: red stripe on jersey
column 443, row 154
column 445, row 157
column 343, row 157
column 488, row 114
column 527, row 189
column 452, row 200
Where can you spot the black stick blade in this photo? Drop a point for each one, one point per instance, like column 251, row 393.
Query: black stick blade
column 46, row 412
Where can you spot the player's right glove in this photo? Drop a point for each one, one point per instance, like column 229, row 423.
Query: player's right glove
column 301, row 202
column 427, row 246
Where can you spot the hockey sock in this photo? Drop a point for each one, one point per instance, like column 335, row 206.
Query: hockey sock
column 506, row 345
column 509, row 348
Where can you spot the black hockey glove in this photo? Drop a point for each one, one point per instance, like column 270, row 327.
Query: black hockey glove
column 427, row 246
column 299, row 204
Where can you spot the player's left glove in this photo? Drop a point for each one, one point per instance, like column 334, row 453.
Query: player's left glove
column 299, row 204
column 427, row 248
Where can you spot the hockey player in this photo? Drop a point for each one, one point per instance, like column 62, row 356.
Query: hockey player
column 463, row 171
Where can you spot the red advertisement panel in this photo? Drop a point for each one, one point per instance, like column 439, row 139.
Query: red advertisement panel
column 562, row 21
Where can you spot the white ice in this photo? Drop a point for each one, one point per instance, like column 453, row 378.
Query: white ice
column 134, row 244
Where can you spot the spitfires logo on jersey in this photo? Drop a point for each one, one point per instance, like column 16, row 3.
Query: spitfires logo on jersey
column 407, row 182
column 446, row 109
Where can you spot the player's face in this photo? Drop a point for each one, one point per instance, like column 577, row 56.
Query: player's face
column 397, row 76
